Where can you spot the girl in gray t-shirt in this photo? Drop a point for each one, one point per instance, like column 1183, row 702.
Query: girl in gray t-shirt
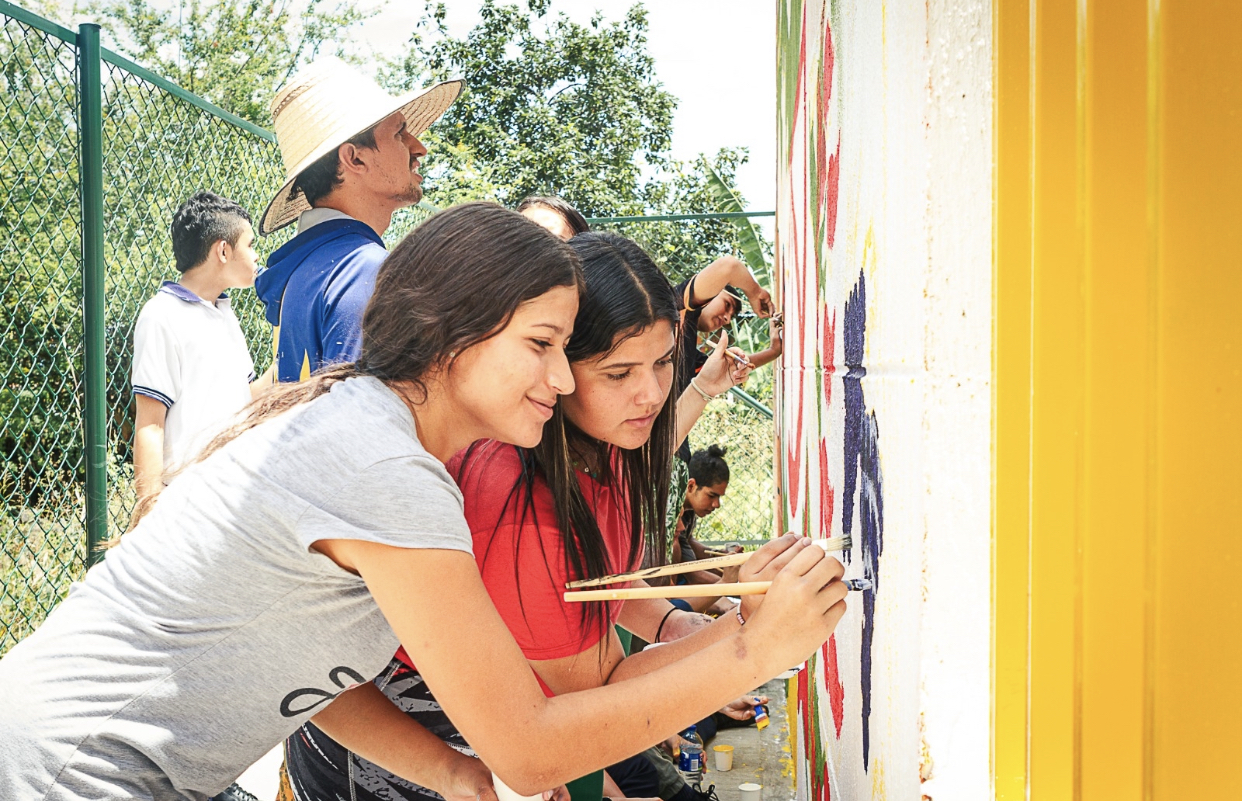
column 287, row 564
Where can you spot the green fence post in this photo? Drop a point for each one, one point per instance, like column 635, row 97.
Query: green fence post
column 90, row 168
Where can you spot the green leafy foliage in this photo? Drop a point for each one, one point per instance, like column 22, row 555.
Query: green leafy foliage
column 551, row 106
column 233, row 53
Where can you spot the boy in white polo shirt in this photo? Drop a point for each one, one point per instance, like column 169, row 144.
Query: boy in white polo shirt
column 192, row 369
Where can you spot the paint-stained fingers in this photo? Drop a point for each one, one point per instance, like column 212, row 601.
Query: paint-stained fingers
column 803, row 565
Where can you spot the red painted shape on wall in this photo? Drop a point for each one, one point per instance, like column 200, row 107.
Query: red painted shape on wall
column 830, row 185
column 827, row 499
column 804, row 710
column 795, row 450
column 836, row 690
column 826, row 167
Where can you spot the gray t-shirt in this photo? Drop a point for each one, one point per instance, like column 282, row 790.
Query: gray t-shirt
column 213, row 630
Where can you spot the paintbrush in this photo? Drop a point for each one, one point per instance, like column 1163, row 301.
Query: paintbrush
column 693, row 591
column 728, row 560
column 711, row 343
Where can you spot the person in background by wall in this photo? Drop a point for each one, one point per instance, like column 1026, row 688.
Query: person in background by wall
column 352, row 154
column 708, row 483
column 708, row 302
column 705, row 491
column 192, row 370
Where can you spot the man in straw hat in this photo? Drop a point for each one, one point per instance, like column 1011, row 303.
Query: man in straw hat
column 351, row 155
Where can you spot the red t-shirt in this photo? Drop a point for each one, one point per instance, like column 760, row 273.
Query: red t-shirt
column 506, row 533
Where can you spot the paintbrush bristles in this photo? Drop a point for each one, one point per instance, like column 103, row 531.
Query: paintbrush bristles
column 716, row 562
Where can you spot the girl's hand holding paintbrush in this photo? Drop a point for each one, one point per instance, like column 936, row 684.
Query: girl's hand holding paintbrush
column 806, row 592
column 725, row 368
column 768, row 562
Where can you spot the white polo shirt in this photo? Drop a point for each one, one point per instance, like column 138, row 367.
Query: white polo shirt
column 191, row 356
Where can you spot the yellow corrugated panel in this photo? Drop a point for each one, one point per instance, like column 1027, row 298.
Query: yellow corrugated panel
column 1197, row 631
column 1012, row 391
column 1118, row 366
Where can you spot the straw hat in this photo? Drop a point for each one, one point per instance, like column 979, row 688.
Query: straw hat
column 324, row 106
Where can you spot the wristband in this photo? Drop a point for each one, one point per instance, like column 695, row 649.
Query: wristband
column 663, row 620
column 694, row 383
column 741, row 620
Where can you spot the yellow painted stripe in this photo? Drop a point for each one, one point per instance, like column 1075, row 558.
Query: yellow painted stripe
column 1011, row 398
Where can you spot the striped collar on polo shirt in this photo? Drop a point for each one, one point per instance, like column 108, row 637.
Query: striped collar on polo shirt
column 178, row 291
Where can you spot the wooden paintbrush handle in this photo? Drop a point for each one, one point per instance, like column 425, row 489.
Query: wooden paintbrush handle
column 682, row 591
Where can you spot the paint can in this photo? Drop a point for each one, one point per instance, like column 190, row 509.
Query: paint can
column 761, row 715
column 750, row 791
column 724, row 757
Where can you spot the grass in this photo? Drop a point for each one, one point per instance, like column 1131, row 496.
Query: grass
column 43, row 551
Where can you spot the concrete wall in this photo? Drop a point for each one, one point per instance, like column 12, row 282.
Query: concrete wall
column 884, row 396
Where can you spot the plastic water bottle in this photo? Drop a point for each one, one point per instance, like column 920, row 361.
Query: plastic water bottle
column 690, row 763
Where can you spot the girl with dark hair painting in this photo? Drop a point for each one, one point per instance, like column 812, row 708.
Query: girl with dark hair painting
column 587, row 500
column 323, row 531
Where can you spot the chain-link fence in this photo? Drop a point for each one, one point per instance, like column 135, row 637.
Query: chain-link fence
column 43, row 520
column 159, row 145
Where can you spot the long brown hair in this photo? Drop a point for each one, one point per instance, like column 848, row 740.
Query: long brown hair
column 625, row 295
column 453, row 282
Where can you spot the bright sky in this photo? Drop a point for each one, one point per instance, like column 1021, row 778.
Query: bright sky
column 717, row 57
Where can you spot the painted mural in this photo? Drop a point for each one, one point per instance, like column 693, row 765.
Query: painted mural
column 830, row 450
column 883, row 274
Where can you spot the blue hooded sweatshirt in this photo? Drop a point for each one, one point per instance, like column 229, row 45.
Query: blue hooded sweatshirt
column 314, row 290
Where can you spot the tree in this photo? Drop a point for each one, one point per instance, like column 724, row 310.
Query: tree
column 233, row 53
column 574, row 110
column 555, row 107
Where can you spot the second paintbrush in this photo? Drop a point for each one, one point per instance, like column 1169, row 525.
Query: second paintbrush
column 694, row 591
column 716, row 562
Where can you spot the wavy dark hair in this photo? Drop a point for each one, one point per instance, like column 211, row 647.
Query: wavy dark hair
column 455, row 281
column 625, row 295
column 572, row 217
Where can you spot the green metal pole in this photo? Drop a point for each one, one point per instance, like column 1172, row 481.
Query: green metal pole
column 750, row 401
column 90, row 176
